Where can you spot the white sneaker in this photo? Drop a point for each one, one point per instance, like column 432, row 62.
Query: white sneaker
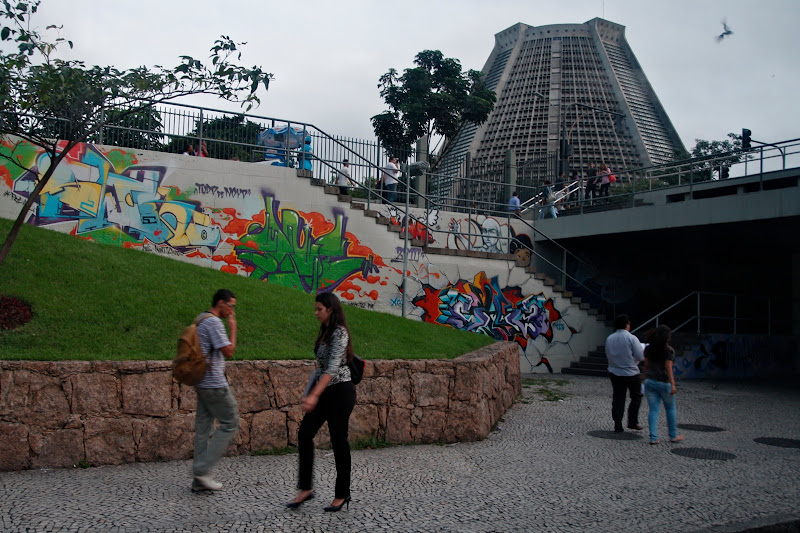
column 205, row 483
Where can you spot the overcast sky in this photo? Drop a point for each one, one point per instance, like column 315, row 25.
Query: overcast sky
column 327, row 56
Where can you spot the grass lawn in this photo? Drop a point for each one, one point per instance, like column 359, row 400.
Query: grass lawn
column 101, row 302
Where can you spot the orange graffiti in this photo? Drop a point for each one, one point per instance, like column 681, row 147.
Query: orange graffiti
column 357, row 249
column 229, row 269
column 5, row 175
column 236, row 226
column 198, row 254
column 319, row 226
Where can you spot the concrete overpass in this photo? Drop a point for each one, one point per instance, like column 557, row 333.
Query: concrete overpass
column 735, row 236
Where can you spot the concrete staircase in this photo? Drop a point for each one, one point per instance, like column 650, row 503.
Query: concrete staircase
column 359, row 204
column 593, row 364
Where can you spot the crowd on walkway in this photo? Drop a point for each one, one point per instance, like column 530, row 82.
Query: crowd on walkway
column 570, row 192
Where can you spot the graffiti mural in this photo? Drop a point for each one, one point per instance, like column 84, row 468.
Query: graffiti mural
column 417, row 228
column 303, row 252
column 737, row 356
column 483, row 307
column 110, row 198
column 87, row 190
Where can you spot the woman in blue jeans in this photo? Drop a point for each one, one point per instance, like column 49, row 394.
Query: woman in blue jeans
column 659, row 384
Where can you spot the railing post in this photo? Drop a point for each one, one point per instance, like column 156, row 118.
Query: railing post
column 200, row 133
column 102, row 119
column 735, row 302
column 405, row 243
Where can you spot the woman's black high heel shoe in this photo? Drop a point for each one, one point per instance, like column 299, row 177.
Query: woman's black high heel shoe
column 337, row 508
column 295, row 505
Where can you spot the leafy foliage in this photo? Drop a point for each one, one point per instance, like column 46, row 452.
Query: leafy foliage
column 57, row 104
column 226, row 138
column 706, row 159
column 435, row 97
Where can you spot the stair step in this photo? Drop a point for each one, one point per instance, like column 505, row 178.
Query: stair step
column 575, row 299
column 394, row 229
column 303, row 173
column 594, row 360
column 593, row 312
column 590, row 366
column 584, row 372
column 585, row 306
column 371, row 213
column 383, row 220
column 358, row 206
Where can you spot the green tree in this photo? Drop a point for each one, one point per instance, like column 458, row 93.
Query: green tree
column 141, row 129
column 705, row 159
column 57, row 104
column 226, row 138
column 435, row 97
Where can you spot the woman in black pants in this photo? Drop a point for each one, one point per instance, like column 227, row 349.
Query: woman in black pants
column 330, row 397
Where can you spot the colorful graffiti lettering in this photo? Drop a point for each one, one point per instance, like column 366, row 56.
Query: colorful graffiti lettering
column 91, row 193
column 481, row 306
column 302, row 251
column 110, row 198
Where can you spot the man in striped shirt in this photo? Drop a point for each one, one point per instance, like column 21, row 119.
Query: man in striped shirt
column 214, row 398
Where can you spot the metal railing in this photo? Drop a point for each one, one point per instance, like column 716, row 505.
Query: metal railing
column 716, row 312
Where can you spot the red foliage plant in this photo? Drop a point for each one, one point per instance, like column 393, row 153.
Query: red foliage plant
column 14, row 312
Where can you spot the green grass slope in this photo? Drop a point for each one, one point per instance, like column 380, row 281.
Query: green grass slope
column 99, row 302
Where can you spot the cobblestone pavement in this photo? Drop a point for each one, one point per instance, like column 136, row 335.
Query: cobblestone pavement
column 540, row 471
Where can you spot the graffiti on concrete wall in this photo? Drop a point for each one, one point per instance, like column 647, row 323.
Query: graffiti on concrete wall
column 303, row 251
column 86, row 189
column 110, row 198
column 417, row 225
column 483, row 307
column 737, row 356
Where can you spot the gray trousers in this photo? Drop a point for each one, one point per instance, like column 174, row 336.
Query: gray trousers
column 208, row 448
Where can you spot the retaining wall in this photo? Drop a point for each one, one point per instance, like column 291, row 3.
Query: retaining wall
column 266, row 223
column 59, row 414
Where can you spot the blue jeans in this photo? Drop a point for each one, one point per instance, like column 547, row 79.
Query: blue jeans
column 391, row 192
column 657, row 392
column 548, row 211
column 208, row 449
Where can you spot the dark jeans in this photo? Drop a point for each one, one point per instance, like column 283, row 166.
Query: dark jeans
column 335, row 406
column 621, row 386
column 604, row 189
column 591, row 190
column 344, row 190
column 390, row 192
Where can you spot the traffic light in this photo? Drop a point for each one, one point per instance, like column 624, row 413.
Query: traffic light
column 746, row 139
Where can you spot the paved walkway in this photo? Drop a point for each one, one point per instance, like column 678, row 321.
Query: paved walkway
column 540, row 471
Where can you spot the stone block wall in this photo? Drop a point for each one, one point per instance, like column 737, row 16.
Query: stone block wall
column 57, row 414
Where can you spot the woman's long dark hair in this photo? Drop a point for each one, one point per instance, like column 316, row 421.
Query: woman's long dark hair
column 658, row 346
column 330, row 301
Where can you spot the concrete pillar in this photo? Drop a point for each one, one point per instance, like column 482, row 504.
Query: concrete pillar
column 421, row 181
column 510, row 178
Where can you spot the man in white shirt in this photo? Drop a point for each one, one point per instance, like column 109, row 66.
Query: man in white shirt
column 343, row 177
column 624, row 353
column 390, row 174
